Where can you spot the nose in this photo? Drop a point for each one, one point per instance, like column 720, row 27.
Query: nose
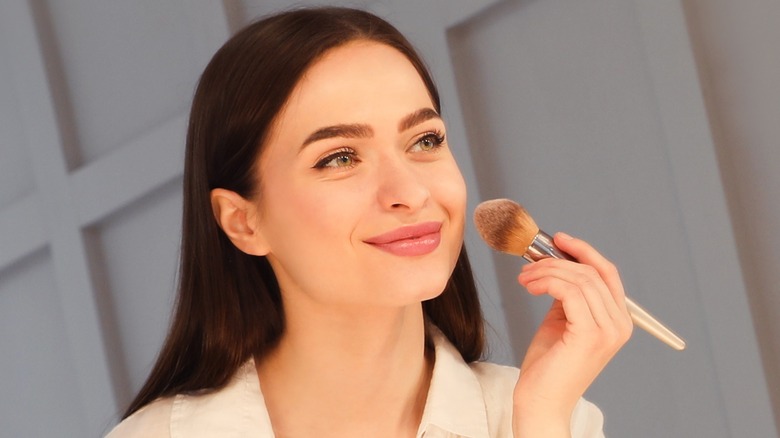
column 401, row 185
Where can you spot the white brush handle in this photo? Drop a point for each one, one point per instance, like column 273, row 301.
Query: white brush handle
column 650, row 324
column 543, row 247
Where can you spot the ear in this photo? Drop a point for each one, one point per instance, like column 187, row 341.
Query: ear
column 238, row 219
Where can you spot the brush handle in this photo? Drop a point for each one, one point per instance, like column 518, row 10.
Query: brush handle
column 543, row 247
column 650, row 324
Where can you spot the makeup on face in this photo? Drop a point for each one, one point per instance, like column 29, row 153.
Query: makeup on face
column 409, row 241
column 362, row 201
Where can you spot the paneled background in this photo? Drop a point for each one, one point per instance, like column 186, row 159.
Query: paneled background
column 648, row 128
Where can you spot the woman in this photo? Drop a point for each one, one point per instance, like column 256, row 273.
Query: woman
column 324, row 289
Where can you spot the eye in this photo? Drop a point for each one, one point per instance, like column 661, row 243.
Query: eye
column 428, row 142
column 342, row 158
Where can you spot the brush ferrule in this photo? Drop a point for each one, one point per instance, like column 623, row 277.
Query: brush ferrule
column 543, row 247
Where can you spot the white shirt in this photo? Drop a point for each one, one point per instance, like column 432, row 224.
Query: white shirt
column 464, row 400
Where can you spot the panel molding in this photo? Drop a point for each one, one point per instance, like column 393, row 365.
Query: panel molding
column 21, row 230
column 71, row 271
column 64, row 205
column 131, row 171
column 706, row 219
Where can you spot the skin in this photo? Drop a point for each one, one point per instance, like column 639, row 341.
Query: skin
column 352, row 360
column 586, row 325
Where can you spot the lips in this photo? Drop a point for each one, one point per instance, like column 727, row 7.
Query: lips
column 409, row 240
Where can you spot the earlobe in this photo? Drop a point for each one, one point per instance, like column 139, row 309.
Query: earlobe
column 237, row 218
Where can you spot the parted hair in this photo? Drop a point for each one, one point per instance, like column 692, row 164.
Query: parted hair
column 228, row 306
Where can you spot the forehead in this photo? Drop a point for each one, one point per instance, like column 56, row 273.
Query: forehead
column 356, row 57
column 359, row 70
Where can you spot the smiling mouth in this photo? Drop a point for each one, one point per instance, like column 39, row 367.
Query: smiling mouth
column 412, row 240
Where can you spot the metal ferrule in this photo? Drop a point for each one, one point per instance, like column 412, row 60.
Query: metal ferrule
column 543, row 248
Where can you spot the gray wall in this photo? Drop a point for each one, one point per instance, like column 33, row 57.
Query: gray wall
column 648, row 128
column 739, row 68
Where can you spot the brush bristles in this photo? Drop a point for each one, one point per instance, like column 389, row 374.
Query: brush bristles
column 505, row 226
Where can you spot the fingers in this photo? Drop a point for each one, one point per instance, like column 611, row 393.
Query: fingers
column 587, row 255
column 586, row 325
column 590, row 290
column 579, row 310
column 578, row 286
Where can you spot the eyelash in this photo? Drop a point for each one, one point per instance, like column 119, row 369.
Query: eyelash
column 437, row 138
column 340, row 153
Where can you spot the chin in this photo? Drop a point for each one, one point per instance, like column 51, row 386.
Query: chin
column 406, row 281
column 424, row 289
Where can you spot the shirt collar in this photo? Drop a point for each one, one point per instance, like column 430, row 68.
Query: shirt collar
column 237, row 410
column 455, row 404
column 455, row 401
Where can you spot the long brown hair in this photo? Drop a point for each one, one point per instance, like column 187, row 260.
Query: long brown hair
column 229, row 305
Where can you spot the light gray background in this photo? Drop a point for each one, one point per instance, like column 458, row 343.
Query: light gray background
column 647, row 127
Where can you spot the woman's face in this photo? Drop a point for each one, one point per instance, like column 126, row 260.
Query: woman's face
column 361, row 200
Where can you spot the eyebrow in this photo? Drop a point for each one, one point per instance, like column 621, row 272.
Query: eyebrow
column 354, row 130
column 417, row 117
column 359, row 130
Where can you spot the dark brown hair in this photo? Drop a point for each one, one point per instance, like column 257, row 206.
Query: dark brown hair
column 229, row 306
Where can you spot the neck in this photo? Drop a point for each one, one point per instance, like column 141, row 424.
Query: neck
column 359, row 372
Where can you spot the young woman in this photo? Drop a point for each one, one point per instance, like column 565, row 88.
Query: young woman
column 324, row 288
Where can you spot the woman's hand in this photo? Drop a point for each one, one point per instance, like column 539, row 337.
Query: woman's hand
column 586, row 325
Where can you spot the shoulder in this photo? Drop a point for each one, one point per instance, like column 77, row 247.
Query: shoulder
column 153, row 421
column 498, row 384
column 237, row 409
column 495, row 378
column 587, row 420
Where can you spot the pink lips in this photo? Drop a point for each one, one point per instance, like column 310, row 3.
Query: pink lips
column 412, row 240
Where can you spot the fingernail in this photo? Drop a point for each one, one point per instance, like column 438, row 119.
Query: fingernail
column 564, row 235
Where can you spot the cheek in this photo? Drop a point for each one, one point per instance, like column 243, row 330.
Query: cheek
column 449, row 187
column 299, row 214
column 307, row 214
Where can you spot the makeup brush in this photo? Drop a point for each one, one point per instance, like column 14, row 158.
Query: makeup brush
column 507, row 227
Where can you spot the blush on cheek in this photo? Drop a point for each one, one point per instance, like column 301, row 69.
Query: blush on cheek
column 451, row 190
